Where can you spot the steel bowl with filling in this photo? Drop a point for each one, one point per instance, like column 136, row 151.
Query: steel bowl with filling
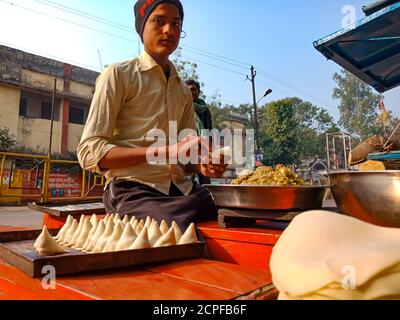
column 267, row 197
column 371, row 196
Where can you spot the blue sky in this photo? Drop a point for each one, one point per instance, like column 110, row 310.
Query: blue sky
column 274, row 36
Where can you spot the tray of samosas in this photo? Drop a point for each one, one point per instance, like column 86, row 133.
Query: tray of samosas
column 268, row 188
column 98, row 244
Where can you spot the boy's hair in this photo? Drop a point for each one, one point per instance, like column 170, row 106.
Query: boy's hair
column 193, row 83
column 143, row 9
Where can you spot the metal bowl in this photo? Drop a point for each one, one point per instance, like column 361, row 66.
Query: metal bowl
column 372, row 196
column 267, row 197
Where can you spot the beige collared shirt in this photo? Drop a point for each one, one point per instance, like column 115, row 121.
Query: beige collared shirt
column 131, row 99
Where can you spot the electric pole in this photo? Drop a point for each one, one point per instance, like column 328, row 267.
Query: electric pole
column 253, row 83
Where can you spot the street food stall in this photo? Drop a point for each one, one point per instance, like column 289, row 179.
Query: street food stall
column 229, row 258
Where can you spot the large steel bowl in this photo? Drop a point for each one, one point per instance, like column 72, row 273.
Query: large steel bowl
column 267, row 197
column 372, row 196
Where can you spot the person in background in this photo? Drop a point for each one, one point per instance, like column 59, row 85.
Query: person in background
column 203, row 117
column 203, row 114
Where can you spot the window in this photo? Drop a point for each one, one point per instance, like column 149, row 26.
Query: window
column 23, row 103
column 46, row 110
column 77, row 115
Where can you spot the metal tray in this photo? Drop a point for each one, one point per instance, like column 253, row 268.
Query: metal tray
column 16, row 248
column 66, row 208
column 268, row 197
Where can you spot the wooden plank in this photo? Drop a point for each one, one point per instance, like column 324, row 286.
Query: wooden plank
column 17, row 249
column 229, row 277
column 234, row 222
column 11, row 228
column 64, row 209
column 261, row 214
column 143, row 285
column 249, row 255
column 264, row 233
column 20, row 286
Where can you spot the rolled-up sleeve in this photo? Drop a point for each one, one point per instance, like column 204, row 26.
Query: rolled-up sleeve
column 97, row 135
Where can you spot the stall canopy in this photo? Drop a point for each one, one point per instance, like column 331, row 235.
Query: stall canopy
column 370, row 49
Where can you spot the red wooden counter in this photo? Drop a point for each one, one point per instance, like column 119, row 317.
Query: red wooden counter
column 198, row 279
column 248, row 247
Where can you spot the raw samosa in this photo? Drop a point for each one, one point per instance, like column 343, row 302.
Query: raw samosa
column 45, row 245
column 167, row 239
column 127, row 238
column 190, row 236
column 142, row 241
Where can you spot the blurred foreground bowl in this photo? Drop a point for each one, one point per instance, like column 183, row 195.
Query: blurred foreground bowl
column 371, row 196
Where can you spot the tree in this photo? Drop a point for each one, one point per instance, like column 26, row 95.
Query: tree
column 7, row 140
column 220, row 114
column 358, row 105
column 301, row 134
column 186, row 69
column 313, row 123
column 280, row 144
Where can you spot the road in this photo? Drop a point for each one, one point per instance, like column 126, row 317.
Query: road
column 20, row 217
column 26, row 218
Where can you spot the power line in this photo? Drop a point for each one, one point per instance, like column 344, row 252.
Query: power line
column 213, row 65
column 273, row 87
column 217, row 55
column 220, row 58
column 49, row 56
column 114, row 24
column 217, row 59
column 98, row 30
column 84, row 14
column 273, row 78
column 224, row 100
column 67, row 21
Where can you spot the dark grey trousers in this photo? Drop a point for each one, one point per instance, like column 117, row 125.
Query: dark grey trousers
column 135, row 199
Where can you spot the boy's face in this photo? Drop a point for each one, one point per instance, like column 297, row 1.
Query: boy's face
column 162, row 30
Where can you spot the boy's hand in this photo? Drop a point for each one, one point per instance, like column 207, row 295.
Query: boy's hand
column 215, row 166
column 213, row 170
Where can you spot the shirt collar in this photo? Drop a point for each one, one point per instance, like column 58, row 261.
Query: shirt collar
column 146, row 62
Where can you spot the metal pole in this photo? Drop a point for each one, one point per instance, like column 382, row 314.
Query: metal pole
column 253, row 83
column 52, row 117
column 328, row 158
column 83, row 183
column 47, row 165
column 3, row 164
column 345, row 153
column 101, row 62
column 45, row 182
column 335, row 160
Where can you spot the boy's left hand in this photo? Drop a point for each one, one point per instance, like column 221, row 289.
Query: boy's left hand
column 213, row 170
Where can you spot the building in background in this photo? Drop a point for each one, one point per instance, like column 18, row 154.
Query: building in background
column 26, row 89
